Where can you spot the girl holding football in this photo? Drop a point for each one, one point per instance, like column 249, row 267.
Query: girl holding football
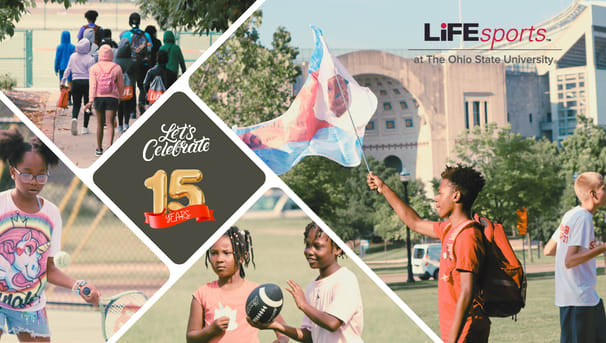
column 218, row 308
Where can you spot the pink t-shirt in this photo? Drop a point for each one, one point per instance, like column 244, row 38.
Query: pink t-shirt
column 337, row 295
column 217, row 303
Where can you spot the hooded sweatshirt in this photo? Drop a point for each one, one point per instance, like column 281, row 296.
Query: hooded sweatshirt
column 64, row 51
column 106, row 66
column 175, row 56
column 122, row 58
column 94, row 48
column 79, row 63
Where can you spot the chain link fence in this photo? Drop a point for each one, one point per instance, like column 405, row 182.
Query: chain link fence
column 102, row 249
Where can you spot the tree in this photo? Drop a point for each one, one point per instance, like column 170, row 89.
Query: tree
column 341, row 197
column 246, row 83
column 584, row 151
column 197, row 16
column 520, row 173
column 11, row 12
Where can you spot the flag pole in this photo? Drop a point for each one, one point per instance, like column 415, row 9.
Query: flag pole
column 352, row 122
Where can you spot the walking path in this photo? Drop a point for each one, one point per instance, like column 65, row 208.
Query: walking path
column 56, row 125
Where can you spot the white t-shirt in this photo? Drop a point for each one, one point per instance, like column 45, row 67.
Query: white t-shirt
column 338, row 295
column 26, row 241
column 575, row 286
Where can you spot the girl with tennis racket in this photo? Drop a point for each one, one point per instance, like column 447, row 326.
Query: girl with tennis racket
column 30, row 236
column 218, row 308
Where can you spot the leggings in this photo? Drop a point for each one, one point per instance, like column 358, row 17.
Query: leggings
column 79, row 91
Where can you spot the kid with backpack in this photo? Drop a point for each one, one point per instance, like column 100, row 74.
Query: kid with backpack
column 141, row 46
column 460, row 303
column 582, row 317
column 158, row 78
column 91, row 17
column 106, row 86
column 128, row 103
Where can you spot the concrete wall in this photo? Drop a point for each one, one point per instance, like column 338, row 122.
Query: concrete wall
column 528, row 93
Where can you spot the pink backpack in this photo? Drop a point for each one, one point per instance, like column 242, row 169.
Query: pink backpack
column 105, row 81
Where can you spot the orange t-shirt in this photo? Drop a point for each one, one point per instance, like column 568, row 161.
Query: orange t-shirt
column 217, row 303
column 468, row 257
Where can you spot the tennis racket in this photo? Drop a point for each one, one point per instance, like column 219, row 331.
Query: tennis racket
column 117, row 310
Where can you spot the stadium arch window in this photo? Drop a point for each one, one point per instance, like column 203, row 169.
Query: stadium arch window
column 396, row 91
column 379, row 83
column 370, row 126
column 394, row 162
column 403, row 105
column 387, row 106
column 382, row 92
column 408, row 122
column 390, row 124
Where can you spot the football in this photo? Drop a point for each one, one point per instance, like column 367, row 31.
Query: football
column 264, row 303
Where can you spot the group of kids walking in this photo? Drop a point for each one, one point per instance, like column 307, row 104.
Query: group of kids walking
column 104, row 75
column 332, row 305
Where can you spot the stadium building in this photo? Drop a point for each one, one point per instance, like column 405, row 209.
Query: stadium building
column 538, row 88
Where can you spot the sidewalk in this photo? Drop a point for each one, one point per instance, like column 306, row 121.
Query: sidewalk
column 56, row 124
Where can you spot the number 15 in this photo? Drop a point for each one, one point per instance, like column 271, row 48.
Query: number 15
column 177, row 189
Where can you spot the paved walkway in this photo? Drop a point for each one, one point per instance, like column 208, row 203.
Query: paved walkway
column 56, row 124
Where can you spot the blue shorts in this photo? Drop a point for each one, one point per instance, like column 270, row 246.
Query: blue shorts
column 33, row 322
column 583, row 324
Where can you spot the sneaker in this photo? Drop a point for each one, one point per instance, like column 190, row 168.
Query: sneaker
column 85, row 131
column 74, row 127
column 99, row 152
column 120, row 128
column 126, row 127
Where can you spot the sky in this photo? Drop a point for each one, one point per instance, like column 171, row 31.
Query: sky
column 394, row 24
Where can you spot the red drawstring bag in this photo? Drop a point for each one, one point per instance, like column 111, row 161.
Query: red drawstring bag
column 127, row 94
column 63, row 98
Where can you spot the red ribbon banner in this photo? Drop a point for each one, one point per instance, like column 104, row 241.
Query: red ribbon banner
column 164, row 220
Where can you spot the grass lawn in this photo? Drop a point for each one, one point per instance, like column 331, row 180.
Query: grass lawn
column 538, row 322
column 278, row 248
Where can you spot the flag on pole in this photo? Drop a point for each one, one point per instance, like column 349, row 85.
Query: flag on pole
column 318, row 122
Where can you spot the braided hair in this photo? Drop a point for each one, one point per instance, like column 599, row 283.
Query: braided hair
column 311, row 226
column 242, row 246
column 13, row 147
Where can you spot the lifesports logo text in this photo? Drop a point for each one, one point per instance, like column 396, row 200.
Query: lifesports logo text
column 472, row 32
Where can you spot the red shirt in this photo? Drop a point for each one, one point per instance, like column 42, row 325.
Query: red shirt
column 468, row 257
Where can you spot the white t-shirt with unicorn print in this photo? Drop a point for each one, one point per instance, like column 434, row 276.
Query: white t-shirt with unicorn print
column 26, row 242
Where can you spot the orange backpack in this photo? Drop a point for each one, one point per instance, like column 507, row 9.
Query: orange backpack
column 502, row 278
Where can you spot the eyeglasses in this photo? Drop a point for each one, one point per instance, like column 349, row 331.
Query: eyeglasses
column 27, row 177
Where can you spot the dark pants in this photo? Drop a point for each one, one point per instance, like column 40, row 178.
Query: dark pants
column 141, row 72
column 125, row 109
column 80, row 91
column 583, row 324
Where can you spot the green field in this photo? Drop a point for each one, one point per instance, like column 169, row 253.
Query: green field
column 278, row 248
column 538, row 322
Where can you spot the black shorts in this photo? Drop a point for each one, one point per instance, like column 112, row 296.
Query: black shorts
column 106, row 104
column 581, row 324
